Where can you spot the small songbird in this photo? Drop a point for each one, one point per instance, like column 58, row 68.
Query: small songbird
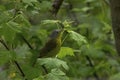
column 53, row 45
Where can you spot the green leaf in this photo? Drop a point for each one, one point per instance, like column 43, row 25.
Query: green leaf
column 21, row 51
column 64, row 51
column 115, row 77
column 77, row 37
column 92, row 52
column 67, row 24
column 6, row 56
column 7, row 32
column 39, row 78
column 29, row 2
column 50, row 21
column 53, row 63
column 2, row 8
column 4, row 17
column 85, row 70
column 113, row 62
column 25, row 21
column 45, row 6
column 15, row 26
column 56, row 74
column 30, row 71
column 107, row 27
column 86, row 9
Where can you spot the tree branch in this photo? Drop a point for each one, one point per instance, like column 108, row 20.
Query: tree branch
column 56, row 6
column 26, row 42
column 32, row 49
column 92, row 65
column 16, row 63
column 115, row 16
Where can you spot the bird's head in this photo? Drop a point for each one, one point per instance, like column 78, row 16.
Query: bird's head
column 56, row 34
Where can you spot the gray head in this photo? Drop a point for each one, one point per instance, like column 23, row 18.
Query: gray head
column 56, row 33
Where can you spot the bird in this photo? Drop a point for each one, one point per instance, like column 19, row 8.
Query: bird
column 53, row 45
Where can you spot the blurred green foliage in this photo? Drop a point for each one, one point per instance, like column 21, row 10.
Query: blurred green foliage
column 87, row 51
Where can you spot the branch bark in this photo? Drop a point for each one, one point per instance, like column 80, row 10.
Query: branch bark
column 56, row 6
column 115, row 15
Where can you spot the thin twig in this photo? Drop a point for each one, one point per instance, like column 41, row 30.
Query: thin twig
column 32, row 49
column 16, row 63
column 92, row 65
column 26, row 42
column 43, row 66
column 56, row 6
column 65, row 38
column 3, row 43
column 87, row 57
column 19, row 68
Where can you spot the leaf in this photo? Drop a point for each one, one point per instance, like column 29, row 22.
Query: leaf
column 24, row 20
column 85, row 70
column 67, row 24
column 2, row 8
column 42, row 35
column 6, row 56
column 4, row 17
column 64, row 51
column 77, row 37
column 15, row 26
column 21, row 51
column 115, row 77
column 29, row 1
column 92, row 52
column 50, row 21
column 30, row 71
column 86, row 9
column 45, row 6
column 39, row 78
column 7, row 32
column 56, row 74
column 107, row 27
column 53, row 63
column 113, row 62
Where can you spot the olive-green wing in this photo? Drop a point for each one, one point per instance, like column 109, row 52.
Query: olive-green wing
column 49, row 46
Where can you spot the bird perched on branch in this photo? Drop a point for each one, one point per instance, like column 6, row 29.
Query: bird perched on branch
column 53, row 45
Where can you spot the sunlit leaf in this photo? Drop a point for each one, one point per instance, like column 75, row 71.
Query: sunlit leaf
column 64, row 51
column 50, row 21
column 77, row 37
column 56, row 74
